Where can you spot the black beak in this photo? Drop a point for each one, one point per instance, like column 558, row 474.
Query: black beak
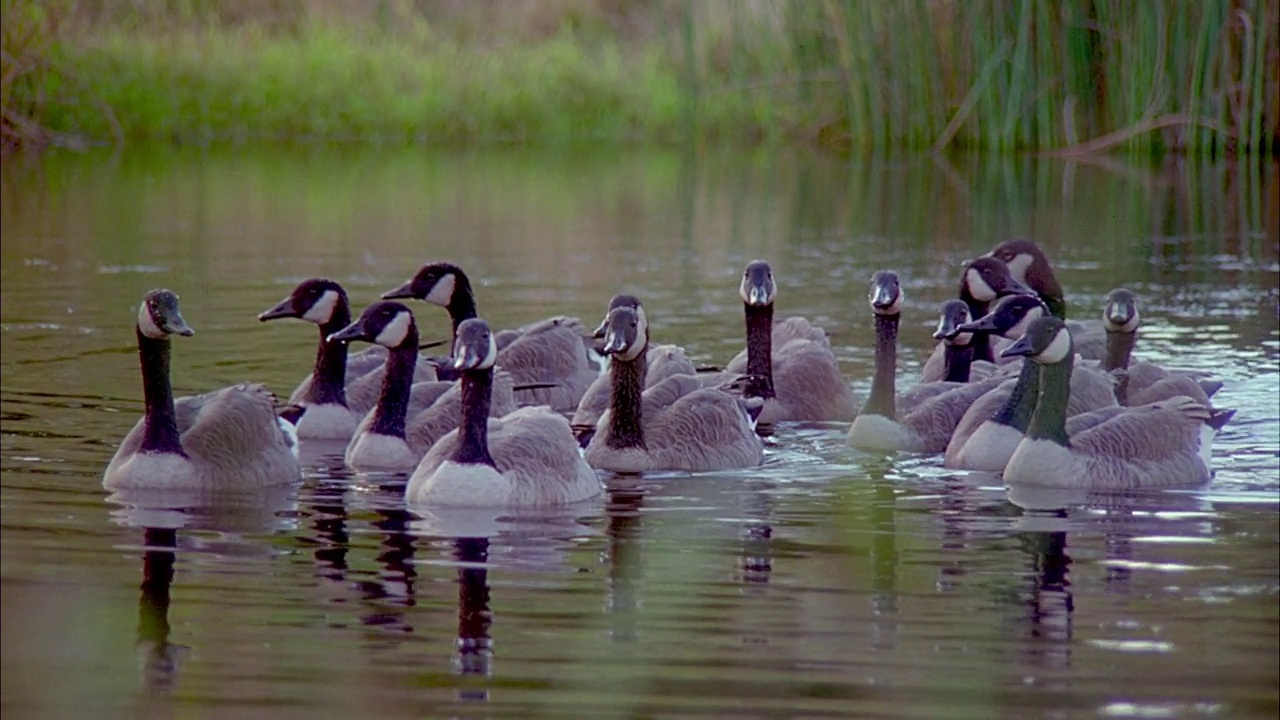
column 282, row 309
column 404, row 291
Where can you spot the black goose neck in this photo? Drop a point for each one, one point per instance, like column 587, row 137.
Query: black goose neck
column 1049, row 422
column 329, row 378
column 160, row 433
column 1056, row 303
column 760, row 343
column 397, row 384
column 958, row 360
column 1119, row 352
column 462, row 304
column 473, row 425
column 626, row 428
column 1018, row 408
column 881, row 401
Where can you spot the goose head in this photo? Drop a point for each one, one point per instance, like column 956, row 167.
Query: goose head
column 385, row 323
column 474, row 347
column 437, row 283
column 1030, row 266
column 317, row 300
column 951, row 316
column 987, row 278
column 757, row 288
column 1121, row 312
column 626, row 333
column 618, row 301
column 885, row 295
column 160, row 316
column 1010, row 317
column 1047, row 342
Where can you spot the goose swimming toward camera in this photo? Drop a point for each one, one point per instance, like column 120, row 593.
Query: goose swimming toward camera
column 409, row 417
column 993, row 426
column 678, row 424
column 983, row 281
column 922, row 423
column 528, row 457
column 552, row 353
column 1028, row 263
column 664, row 361
column 1142, row 382
column 343, row 387
column 226, row 439
column 793, row 356
column 1158, row 445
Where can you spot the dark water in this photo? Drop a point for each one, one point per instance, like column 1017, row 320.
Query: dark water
column 829, row 583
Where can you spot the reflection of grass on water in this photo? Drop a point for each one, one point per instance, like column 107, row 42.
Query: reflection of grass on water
column 1003, row 74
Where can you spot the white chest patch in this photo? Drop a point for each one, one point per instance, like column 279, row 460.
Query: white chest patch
column 322, row 311
column 989, row 448
column 327, row 422
column 1045, row 462
column 373, row 451
column 460, row 485
column 395, row 331
column 442, row 292
column 877, row 432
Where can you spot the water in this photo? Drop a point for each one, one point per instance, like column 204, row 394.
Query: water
column 826, row 584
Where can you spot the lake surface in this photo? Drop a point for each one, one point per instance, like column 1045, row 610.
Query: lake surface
column 828, row 583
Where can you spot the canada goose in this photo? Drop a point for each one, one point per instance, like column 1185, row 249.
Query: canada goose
column 663, row 362
column 552, row 352
column 994, row 425
column 675, row 425
column 792, row 355
column 343, row 386
column 1158, row 445
column 927, row 424
column 528, row 457
column 1030, row 266
column 1142, row 382
column 229, row 438
column 408, row 417
column 983, row 281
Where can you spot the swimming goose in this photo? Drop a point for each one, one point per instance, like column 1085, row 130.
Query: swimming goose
column 343, row 386
column 1158, row 445
column 528, row 457
column 792, row 355
column 1030, row 266
column 983, row 281
column 551, row 353
column 663, row 362
column 226, row 439
column 926, row 423
column 409, row 417
column 675, row 425
column 994, row 425
column 1141, row 382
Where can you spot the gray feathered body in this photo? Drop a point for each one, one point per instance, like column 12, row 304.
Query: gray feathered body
column 686, row 427
column 664, row 362
column 548, row 351
column 537, row 464
column 1165, row 444
column 231, row 437
column 806, row 377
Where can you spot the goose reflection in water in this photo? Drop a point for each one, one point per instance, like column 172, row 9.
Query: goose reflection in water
column 161, row 515
column 623, row 555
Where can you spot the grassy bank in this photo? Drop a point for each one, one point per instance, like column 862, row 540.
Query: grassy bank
column 1005, row 75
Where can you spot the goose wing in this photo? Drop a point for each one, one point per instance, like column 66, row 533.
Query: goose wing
column 232, row 426
column 784, row 331
column 1151, row 433
column 698, row 428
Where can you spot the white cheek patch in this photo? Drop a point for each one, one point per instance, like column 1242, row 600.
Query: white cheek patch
column 396, row 331
column 978, row 287
column 491, row 356
column 148, row 325
column 322, row 311
column 961, row 339
column 1020, row 328
column 442, row 292
column 1057, row 350
column 1018, row 266
column 1129, row 325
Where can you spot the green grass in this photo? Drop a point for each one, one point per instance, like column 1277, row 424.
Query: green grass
column 1145, row 76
